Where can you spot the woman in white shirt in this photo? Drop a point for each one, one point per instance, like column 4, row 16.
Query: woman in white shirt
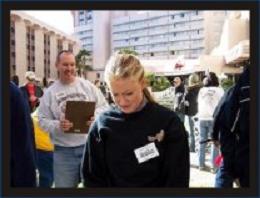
column 208, row 98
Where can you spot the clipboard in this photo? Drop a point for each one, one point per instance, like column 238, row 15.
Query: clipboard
column 79, row 112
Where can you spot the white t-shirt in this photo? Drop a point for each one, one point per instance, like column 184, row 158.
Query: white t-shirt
column 208, row 99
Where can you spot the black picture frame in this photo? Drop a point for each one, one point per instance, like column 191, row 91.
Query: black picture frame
column 253, row 6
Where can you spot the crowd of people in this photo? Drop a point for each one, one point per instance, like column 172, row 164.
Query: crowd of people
column 132, row 141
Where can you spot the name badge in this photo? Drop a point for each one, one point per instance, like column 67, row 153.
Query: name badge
column 146, row 152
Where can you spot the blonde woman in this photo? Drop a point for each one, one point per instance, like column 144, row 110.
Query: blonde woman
column 137, row 142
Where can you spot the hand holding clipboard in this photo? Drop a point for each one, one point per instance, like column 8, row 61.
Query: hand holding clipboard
column 78, row 116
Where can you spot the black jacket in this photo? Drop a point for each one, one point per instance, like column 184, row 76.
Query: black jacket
column 109, row 158
column 179, row 99
column 231, row 128
column 191, row 97
column 22, row 163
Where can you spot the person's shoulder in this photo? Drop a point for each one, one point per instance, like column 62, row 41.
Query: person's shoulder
column 53, row 88
column 109, row 115
column 111, row 111
column 85, row 83
column 82, row 80
column 220, row 90
column 160, row 109
column 14, row 89
column 203, row 90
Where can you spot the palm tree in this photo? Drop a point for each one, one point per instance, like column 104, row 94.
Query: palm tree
column 82, row 59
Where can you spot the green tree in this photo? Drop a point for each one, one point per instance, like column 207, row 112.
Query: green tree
column 226, row 83
column 82, row 59
column 128, row 51
column 158, row 83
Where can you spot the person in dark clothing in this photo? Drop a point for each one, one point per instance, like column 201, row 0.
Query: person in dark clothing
column 44, row 82
column 191, row 106
column 152, row 140
column 179, row 97
column 15, row 80
column 231, row 131
column 22, row 162
column 31, row 91
column 223, row 177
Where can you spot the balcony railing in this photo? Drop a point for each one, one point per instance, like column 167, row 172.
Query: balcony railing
column 197, row 36
column 159, row 40
column 179, row 29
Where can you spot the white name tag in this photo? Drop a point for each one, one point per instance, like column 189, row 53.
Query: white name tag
column 146, row 152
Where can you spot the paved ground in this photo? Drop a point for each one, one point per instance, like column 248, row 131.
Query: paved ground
column 200, row 179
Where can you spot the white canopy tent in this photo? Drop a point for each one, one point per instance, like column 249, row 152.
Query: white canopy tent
column 171, row 67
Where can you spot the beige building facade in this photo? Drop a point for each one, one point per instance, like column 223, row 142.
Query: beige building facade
column 234, row 46
column 34, row 46
column 92, row 28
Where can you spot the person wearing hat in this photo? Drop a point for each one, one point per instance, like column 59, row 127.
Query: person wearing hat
column 31, row 91
column 191, row 105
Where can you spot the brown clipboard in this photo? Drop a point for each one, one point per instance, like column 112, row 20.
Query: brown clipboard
column 79, row 112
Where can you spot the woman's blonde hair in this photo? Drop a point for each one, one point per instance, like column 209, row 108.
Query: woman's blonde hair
column 122, row 66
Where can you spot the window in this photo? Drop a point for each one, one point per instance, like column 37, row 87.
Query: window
column 13, row 54
column 172, row 17
column 12, row 29
column 12, row 42
column 98, row 75
column 152, row 54
column 182, row 15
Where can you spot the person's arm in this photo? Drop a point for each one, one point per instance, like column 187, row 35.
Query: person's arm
column 47, row 121
column 93, row 162
column 176, row 167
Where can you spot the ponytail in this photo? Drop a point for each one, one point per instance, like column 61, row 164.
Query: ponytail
column 148, row 95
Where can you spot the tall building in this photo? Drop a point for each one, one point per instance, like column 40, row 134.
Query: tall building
column 92, row 28
column 34, row 46
column 168, row 34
